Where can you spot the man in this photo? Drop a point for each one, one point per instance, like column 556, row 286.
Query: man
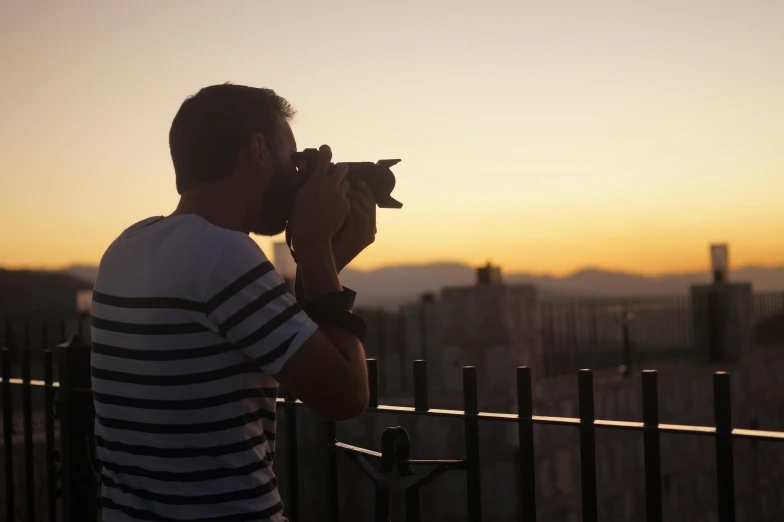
column 193, row 329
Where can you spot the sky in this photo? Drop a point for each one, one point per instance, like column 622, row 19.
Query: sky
column 542, row 136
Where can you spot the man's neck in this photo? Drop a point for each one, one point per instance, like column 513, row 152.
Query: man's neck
column 209, row 200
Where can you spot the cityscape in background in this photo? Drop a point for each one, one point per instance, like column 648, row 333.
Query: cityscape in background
column 497, row 325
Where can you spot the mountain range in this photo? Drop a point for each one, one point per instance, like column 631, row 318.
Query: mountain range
column 393, row 286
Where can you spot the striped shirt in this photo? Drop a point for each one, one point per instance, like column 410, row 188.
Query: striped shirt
column 189, row 322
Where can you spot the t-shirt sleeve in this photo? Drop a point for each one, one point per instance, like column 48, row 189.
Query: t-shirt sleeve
column 248, row 302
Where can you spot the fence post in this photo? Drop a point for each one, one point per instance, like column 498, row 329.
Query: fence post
column 587, row 446
column 525, row 413
column 471, row 423
column 725, row 468
column 76, row 432
column 8, row 431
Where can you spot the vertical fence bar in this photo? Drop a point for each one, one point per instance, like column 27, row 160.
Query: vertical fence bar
column 381, row 333
column 471, row 407
column 556, row 346
column 292, row 461
column 420, row 385
column 372, row 369
column 714, row 326
column 77, row 417
column 725, row 469
column 44, row 336
column 587, row 445
column 780, row 315
column 332, row 474
column 423, row 329
column 63, row 332
column 650, row 419
column 627, row 343
column 51, row 473
column 525, row 426
column 571, row 333
column 8, row 431
column 401, row 348
column 27, row 416
column 594, row 327
column 9, row 336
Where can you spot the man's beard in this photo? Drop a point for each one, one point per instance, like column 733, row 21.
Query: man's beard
column 276, row 204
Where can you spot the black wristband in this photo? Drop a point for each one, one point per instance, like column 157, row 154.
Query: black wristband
column 342, row 319
column 335, row 309
column 343, row 299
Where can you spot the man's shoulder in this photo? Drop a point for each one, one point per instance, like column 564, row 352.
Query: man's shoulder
column 182, row 250
column 188, row 235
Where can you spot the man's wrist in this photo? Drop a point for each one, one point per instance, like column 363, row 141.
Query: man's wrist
column 340, row 262
column 317, row 269
column 313, row 247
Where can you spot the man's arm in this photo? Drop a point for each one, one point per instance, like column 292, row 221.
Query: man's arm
column 249, row 304
column 328, row 373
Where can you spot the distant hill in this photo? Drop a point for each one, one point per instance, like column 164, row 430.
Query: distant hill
column 396, row 285
column 601, row 283
column 82, row 272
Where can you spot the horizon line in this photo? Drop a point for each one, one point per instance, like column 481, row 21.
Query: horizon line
column 587, row 268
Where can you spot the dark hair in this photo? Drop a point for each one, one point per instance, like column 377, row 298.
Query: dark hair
column 215, row 124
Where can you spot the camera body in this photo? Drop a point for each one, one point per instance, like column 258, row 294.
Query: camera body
column 377, row 176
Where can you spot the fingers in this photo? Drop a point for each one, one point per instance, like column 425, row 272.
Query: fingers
column 362, row 187
column 360, row 199
column 358, row 203
column 345, row 188
column 323, row 162
column 339, row 173
column 366, row 198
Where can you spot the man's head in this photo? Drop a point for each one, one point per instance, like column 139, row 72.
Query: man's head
column 237, row 135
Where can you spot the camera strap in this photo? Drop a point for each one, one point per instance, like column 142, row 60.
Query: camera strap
column 334, row 309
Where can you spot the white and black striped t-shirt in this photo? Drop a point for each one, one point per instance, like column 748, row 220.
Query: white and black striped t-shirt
column 189, row 322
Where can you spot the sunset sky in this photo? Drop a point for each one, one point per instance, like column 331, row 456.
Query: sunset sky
column 544, row 136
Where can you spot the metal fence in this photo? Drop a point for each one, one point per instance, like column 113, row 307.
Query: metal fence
column 71, row 462
column 604, row 333
column 576, row 333
column 768, row 309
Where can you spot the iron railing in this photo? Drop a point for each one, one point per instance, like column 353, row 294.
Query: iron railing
column 768, row 310
column 79, row 479
column 606, row 333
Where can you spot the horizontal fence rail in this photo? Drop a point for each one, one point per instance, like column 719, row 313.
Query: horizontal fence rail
column 392, row 455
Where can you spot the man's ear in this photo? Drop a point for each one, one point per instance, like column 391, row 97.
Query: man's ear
column 260, row 152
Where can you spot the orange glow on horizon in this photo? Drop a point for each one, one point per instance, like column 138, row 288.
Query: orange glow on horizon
column 546, row 138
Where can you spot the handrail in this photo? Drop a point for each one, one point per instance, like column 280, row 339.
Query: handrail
column 683, row 429
column 33, row 382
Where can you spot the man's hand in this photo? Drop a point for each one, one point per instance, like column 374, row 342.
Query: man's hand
column 321, row 205
column 359, row 228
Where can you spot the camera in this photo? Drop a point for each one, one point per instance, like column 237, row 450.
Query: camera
column 377, row 176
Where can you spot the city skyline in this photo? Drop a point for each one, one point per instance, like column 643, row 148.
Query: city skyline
column 546, row 138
